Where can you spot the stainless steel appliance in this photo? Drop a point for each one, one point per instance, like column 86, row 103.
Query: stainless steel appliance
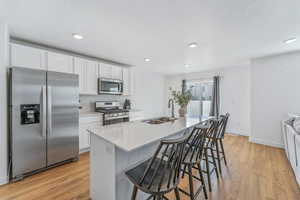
column 112, row 113
column 44, row 120
column 127, row 104
column 110, row 86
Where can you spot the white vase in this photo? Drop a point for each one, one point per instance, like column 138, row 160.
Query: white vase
column 182, row 111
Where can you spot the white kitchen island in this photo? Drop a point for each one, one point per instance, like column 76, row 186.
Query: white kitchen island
column 115, row 148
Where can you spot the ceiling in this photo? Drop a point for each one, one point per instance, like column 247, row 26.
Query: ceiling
column 228, row 32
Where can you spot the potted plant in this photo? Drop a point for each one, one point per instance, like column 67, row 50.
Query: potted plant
column 182, row 99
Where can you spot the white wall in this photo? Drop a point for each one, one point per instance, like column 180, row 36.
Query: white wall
column 148, row 92
column 275, row 92
column 4, row 37
column 235, row 94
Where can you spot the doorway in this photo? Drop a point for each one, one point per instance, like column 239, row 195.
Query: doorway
column 201, row 97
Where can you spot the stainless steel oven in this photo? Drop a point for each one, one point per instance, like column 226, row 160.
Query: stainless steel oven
column 110, row 86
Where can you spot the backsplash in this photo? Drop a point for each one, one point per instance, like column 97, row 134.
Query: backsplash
column 87, row 103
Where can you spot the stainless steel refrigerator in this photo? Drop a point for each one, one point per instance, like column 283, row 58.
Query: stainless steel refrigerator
column 44, row 120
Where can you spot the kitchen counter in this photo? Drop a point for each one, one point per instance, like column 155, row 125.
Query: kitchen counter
column 135, row 110
column 89, row 114
column 132, row 135
column 115, row 148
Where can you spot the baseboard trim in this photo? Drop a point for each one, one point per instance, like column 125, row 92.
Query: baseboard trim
column 264, row 142
column 84, row 150
column 236, row 134
column 3, row 180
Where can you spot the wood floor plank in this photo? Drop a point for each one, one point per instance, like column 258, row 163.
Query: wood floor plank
column 254, row 172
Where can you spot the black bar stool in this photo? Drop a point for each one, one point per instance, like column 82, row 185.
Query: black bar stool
column 161, row 173
column 219, row 141
column 210, row 164
column 192, row 157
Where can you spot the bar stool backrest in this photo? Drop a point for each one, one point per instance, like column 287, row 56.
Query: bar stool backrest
column 212, row 131
column 168, row 155
column 195, row 144
column 223, row 125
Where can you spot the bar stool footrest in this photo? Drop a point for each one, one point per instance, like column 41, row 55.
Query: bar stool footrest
column 196, row 193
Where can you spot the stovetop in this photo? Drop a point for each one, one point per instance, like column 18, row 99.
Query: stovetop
column 119, row 110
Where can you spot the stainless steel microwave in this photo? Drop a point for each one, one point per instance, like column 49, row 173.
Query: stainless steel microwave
column 110, row 86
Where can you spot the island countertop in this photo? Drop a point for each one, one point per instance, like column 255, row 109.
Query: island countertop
column 132, row 135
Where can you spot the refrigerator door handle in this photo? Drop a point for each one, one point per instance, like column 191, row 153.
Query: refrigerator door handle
column 44, row 111
column 49, row 109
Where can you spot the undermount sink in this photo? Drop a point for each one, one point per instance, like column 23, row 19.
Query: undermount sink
column 160, row 120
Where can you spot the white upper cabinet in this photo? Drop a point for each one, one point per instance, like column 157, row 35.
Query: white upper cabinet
column 79, row 68
column 88, row 70
column 92, row 72
column 117, row 72
column 29, row 57
column 105, row 70
column 110, row 71
column 88, row 75
column 59, row 62
column 126, row 81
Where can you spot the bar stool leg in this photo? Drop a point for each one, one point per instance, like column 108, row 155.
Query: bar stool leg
column 191, row 182
column 134, row 193
column 214, row 161
column 184, row 169
column 221, row 143
column 202, row 180
column 218, row 157
column 177, row 194
column 207, row 170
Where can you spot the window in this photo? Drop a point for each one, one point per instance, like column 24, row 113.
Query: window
column 201, row 97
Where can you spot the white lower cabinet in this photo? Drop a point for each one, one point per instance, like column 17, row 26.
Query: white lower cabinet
column 84, row 136
column 292, row 148
column 297, row 171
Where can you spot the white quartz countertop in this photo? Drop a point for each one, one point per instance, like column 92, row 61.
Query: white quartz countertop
column 132, row 135
column 89, row 114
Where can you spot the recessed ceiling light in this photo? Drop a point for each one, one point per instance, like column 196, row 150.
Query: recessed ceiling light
column 193, row 45
column 147, row 59
column 291, row 40
column 187, row 66
column 77, row 36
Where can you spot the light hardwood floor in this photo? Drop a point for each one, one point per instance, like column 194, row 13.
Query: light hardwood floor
column 255, row 172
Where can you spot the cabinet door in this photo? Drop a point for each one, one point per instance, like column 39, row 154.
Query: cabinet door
column 29, row 57
column 126, row 81
column 79, row 68
column 105, row 70
column 291, row 146
column 59, row 62
column 83, row 137
column 117, row 72
column 92, row 71
column 88, row 75
column 297, row 143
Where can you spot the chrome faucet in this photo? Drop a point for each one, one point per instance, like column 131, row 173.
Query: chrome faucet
column 169, row 105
